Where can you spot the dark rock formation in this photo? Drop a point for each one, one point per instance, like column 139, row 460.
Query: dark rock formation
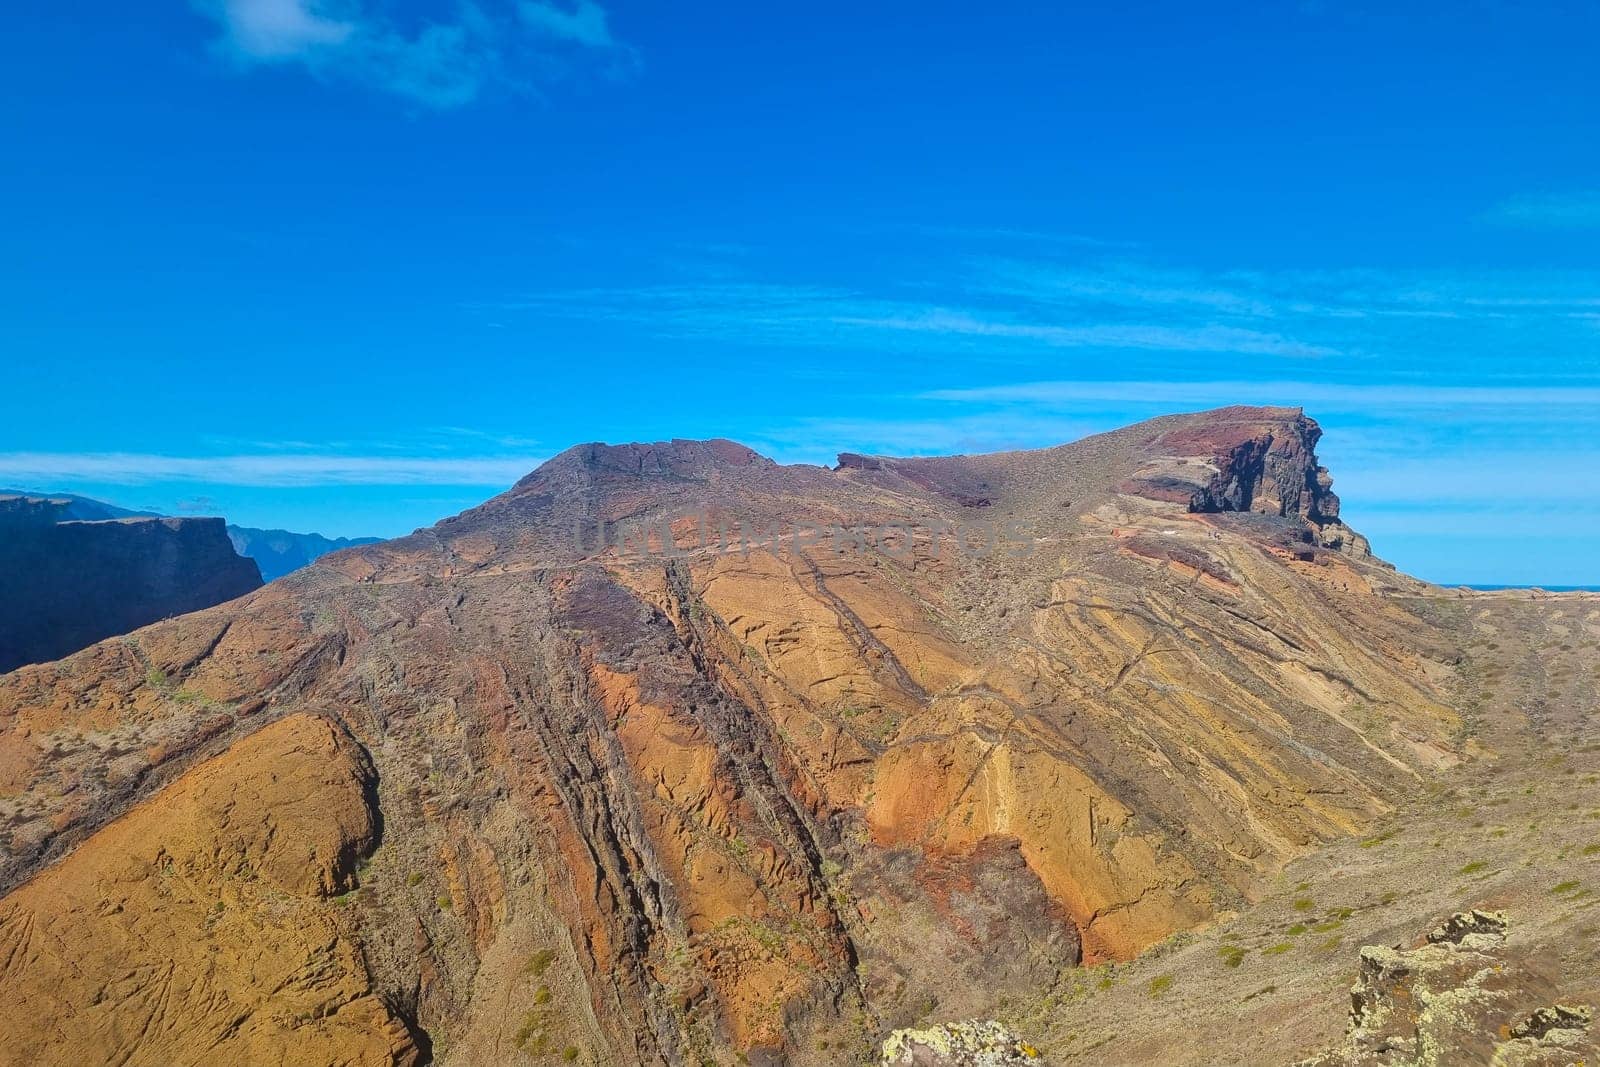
column 68, row 584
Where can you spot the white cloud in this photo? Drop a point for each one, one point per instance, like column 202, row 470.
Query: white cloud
column 279, row 29
column 132, row 468
column 437, row 64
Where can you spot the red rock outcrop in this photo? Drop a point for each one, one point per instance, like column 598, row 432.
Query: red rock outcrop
column 1251, row 460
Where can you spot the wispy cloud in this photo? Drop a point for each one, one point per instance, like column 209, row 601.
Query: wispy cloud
column 585, row 24
column 131, row 468
column 1200, row 338
column 811, row 315
column 440, row 64
column 1556, row 211
column 1586, row 399
column 1018, row 306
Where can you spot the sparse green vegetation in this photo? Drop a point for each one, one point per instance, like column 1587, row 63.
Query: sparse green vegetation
column 414, row 878
column 542, row 995
column 1232, row 955
column 540, row 962
column 1591, row 850
column 1297, row 929
column 1473, row 868
column 445, row 903
column 155, row 676
column 1305, row 904
column 1160, row 985
column 531, row 1037
column 1565, row 887
column 570, row 1054
column 1279, row 949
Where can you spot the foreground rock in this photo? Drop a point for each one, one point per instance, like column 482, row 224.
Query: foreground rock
column 974, row 1044
column 1457, row 1000
column 190, row 930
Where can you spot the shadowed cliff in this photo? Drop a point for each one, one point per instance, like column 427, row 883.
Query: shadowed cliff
column 67, row 584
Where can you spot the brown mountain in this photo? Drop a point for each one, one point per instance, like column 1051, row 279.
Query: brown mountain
column 546, row 781
column 65, row 584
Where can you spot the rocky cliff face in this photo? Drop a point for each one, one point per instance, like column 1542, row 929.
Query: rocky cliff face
column 1259, row 461
column 819, row 751
column 67, row 584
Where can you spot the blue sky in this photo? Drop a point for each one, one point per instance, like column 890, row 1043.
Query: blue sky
column 354, row 266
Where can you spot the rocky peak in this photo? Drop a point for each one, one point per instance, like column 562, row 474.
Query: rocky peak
column 678, row 458
column 1269, row 465
column 1257, row 460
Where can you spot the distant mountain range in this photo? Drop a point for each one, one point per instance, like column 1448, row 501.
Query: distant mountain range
column 276, row 552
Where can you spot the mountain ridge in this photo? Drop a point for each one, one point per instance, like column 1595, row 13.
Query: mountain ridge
column 773, row 802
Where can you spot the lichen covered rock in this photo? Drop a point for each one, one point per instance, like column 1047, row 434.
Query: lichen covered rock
column 1455, row 1000
column 969, row 1044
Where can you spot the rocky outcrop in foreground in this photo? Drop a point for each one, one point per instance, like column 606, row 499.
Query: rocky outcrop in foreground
column 1457, row 999
column 68, row 584
column 974, row 1044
